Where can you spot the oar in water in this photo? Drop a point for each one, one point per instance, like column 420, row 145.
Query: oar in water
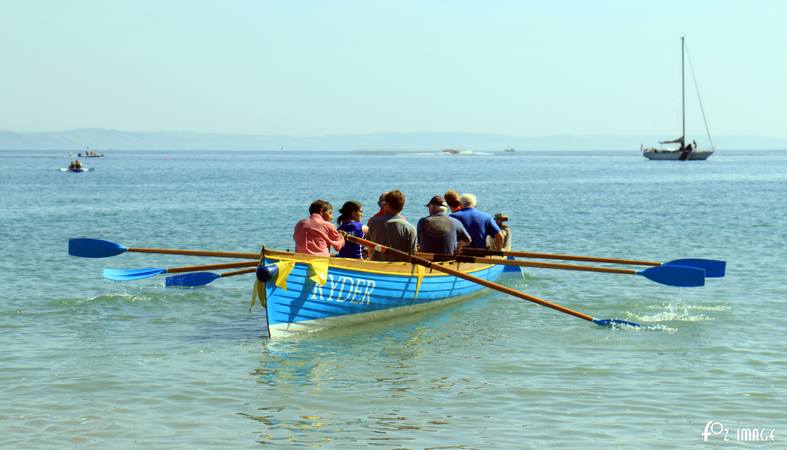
column 139, row 274
column 99, row 248
column 506, row 290
column 670, row 275
column 202, row 278
column 713, row 268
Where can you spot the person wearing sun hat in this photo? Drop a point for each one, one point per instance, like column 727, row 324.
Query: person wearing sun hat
column 438, row 232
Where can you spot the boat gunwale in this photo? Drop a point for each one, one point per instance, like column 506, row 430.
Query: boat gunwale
column 377, row 267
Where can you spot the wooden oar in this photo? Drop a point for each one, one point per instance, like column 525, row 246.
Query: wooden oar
column 670, row 275
column 202, row 278
column 447, row 270
column 713, row 268
column 99, row 248
column 139, row 274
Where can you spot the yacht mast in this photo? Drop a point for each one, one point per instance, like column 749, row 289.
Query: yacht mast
column 683, row 90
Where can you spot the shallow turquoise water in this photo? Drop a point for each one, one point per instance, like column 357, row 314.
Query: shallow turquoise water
column 90, row 363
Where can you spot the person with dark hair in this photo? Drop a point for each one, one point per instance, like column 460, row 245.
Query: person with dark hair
column 316, row 235
column 452, row 198
column 350, row 222
column 391, row 229
column 380, row 203
column 439, row 233
column 505, row 231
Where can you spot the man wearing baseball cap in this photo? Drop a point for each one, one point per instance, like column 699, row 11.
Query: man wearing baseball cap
column 438, row 232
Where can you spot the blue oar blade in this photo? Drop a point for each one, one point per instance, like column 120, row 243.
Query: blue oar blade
column 131, row 274
column 679, row 276
column 615, row 323
column 713, row 268
column 94, row 248
column 191, row 279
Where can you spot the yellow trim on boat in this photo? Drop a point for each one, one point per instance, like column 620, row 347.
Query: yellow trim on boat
column 354, row 264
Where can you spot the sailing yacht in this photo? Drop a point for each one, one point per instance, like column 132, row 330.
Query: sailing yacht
column 683, row 152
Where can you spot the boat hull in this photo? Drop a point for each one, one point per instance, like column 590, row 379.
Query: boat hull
column 361, row 291
column 676, row 155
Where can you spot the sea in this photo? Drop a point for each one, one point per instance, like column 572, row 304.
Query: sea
column 89, row 363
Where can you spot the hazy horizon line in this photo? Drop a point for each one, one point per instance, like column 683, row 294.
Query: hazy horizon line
column 363, row 133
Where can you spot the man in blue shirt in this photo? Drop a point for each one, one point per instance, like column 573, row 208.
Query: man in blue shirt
column 439, row 233
column 477, row 223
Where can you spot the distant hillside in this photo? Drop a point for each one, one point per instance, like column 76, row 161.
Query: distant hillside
column 103, row 139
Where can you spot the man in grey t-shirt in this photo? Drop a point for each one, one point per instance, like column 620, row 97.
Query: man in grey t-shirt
column 391, row 229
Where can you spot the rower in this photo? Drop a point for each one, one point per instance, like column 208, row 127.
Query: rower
column 505, row 232
column 439, row 233
column 477, row 223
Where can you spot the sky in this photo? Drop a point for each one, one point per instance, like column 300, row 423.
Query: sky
column 302, row 68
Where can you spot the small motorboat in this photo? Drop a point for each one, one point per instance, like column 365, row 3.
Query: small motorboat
column 90, row 154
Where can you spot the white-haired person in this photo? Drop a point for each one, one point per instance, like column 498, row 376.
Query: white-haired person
column 477, row 223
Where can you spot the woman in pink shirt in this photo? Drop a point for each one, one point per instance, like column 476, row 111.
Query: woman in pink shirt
column 316, row 235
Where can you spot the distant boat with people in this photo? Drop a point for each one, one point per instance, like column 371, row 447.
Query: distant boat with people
column 453, row 152
column 75, row 166
column 90, row 154
column 76, row 169
column 683, row 151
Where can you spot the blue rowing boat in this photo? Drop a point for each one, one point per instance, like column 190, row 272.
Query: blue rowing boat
column 304, row 293
column 310, row 293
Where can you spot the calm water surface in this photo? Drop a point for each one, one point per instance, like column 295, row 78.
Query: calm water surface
column 90, row 363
